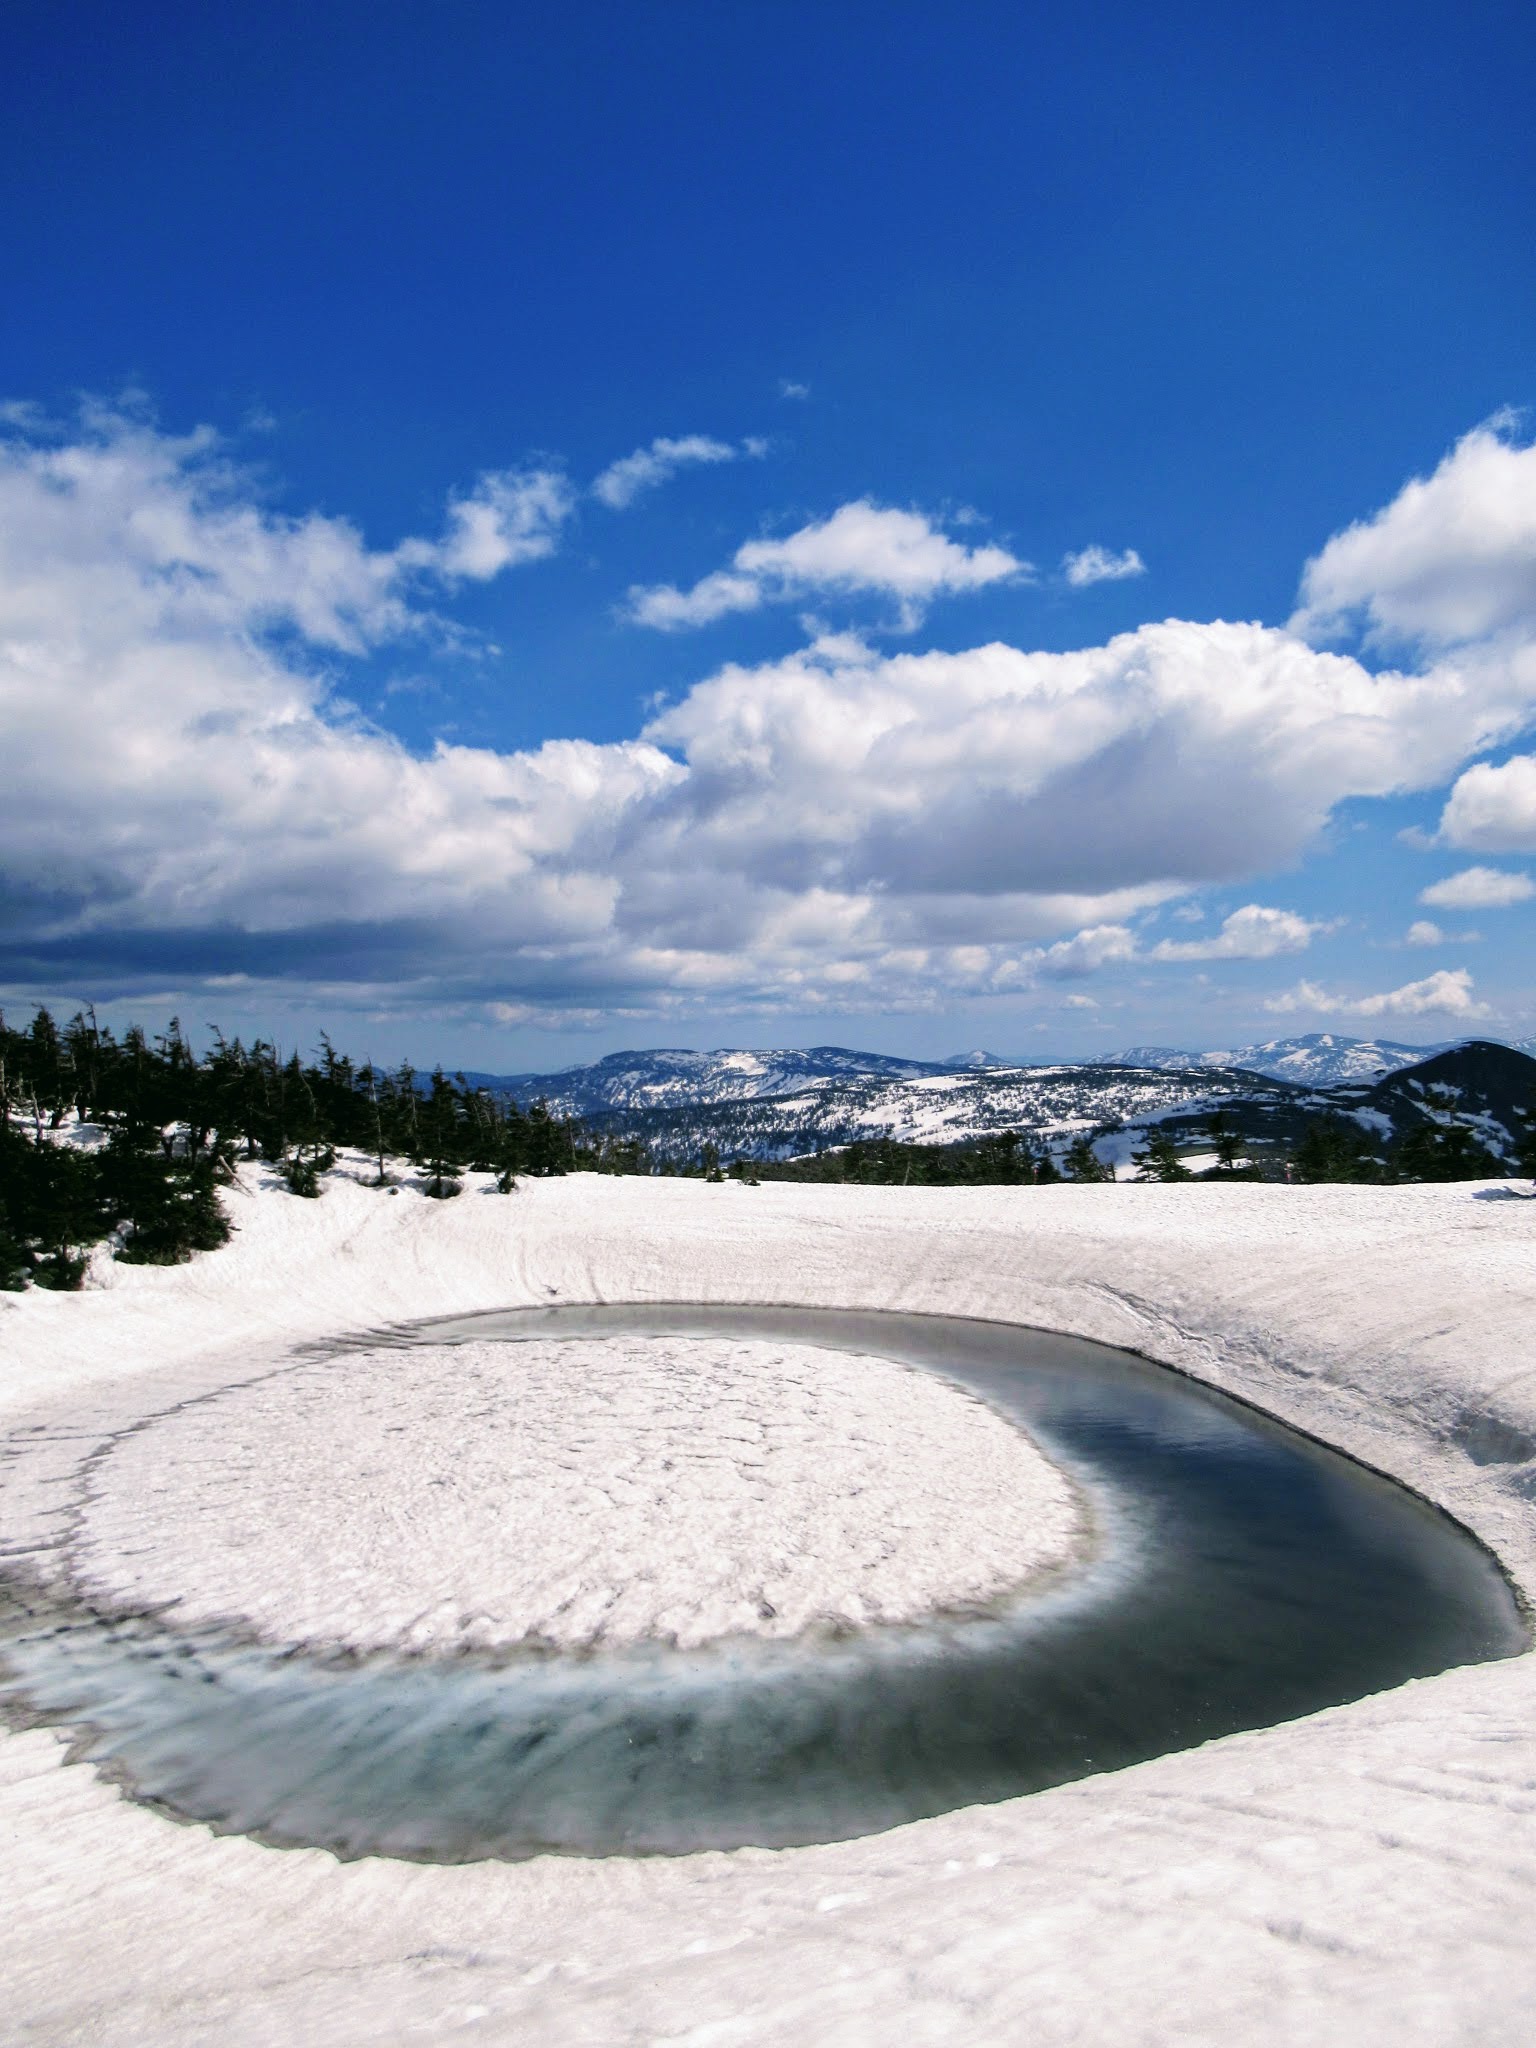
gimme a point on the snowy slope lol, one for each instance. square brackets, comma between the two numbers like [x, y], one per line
[1490, 1087]
[1363, 1875]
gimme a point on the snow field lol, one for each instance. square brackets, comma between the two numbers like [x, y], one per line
[1363, 1875]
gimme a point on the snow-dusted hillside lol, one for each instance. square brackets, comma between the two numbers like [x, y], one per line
[1489, 1088]
[940, 1108]
[656, 1079]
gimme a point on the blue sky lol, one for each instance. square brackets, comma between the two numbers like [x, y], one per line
[348, 684]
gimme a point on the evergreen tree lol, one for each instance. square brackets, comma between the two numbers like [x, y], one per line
[1083, 1163]
[511, 1146]
[50, 1211]
[440, 1139]
[1525, 1143]
[550, 1145]
[1004, 1161]
[1226, 1141]
[86, 1058]
[305, 1152]
[368, 1085]
[1442, 1151]
[169, 1208]
[47, 1070]
[1159, 1160]
[1332, 1149]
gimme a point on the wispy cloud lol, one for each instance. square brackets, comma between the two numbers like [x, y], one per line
[186, 527]
[1098, 565]
[863, 548]
[625, 480]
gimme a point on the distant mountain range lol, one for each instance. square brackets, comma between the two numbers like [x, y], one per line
[654, 1080]
[932, 1108]
[784, 1103]
[1321, 1058]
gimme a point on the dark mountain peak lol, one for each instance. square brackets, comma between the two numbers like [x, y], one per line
[1489, 1086]
[1477, 1060]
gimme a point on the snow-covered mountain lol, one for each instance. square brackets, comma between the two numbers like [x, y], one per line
[934, 1107]
[1169, 1059]
[1488, 1087]
[1324, 1059]
[1320, 1059]
[675, 1075]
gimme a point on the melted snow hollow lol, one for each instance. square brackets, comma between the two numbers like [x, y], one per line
[446, 1498]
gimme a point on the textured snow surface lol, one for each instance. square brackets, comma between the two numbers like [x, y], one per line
[1367, 1875]
[576, 1493]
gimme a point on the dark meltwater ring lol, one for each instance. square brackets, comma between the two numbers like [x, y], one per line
[1244, 1576]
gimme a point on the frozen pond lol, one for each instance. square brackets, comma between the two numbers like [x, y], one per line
[1242, 1576]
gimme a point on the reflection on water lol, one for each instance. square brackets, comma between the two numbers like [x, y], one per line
[1246, 1576]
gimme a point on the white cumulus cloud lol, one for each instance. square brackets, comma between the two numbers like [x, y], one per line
[1253, 933]
[1423, 932]
[863, 548]
[1493, 809]
[1452, 559]
[1171, 756]
[1098, 565]
[1479, 889]
[187, 799]
[1102, 945]
[1447, 993]
[510, 516]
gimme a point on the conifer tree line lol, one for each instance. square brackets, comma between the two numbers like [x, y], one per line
[1001, 1159]
[171, 1126]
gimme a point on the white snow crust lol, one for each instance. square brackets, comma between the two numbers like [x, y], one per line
[1365, 1875]
[572, 1494]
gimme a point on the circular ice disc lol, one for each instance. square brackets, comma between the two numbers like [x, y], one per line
[574, 1493]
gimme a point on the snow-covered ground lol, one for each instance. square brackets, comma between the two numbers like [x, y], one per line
[1366, 1875]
